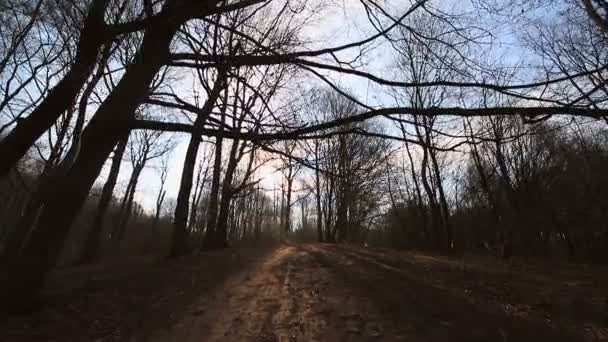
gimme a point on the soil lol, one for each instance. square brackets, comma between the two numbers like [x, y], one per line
[321, 292]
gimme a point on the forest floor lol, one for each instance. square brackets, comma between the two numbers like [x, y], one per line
[319, 292]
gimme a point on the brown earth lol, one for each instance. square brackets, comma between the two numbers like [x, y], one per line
[319, 292]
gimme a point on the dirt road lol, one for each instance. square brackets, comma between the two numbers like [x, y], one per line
[329, 293]
[320, 292]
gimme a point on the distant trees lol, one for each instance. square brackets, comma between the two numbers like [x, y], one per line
[503, 194]
[347, 173]
[534, 199]
[143, 147]
[290, 169]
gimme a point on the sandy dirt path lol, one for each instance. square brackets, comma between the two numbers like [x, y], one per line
[328, 293]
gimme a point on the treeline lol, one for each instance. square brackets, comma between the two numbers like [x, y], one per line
[527, 190]
[122, 227]
[144, 234]
[512, 188]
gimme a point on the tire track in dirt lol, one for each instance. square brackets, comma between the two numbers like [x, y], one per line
[421, 311]
[522, 294]
[271, 302]
[242, 309]
[310, 293]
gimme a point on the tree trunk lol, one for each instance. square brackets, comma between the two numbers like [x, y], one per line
[92, 245]
[62, 96]
[506, 189]
[318, 195]
[34, 202]
[419, 201]
[196, 198]
[180, 234]
[287, 209]
[330, 237]
[159, 205]
[209, 239]
[112, 121]
[444, 213]
[221, 240]
[485, 184]
[126, 211]
[445, 210]
[434, 217]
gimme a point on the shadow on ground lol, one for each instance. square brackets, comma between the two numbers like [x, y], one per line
[316, 292]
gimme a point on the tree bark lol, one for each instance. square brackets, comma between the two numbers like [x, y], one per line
[199, 187]
[318, 195]
[221, 237]
[443, 204]
[180, 234]
[127, 209]
[434, 217]
[445, 210]
[92, 245]
[421, 209]
[287, 209]
[209, 239]
[505, 189]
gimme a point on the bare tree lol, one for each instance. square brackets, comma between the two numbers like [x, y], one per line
[144, 147]
[90, 251]
[161, 192]
[178, 246]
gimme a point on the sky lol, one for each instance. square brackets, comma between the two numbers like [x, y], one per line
[343, 21]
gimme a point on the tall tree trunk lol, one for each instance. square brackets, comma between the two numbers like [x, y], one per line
[485, 184]
[341, 205]
[209, 238]
[127, 210]
[506, 189]
[62, 96]
[287, 209]
[318, 195]
[125, 199]
[180, 234]
[92, 245]
[34, 202]
[113, 119]
[221, 240]
[159, 205]
[443, 204]
[445, 210]
[221, 233]
[435, 215]
[196, 198]
[420, 202]
[282, 212]
[329, 231]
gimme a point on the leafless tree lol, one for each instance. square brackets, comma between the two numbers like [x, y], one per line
[144, 146]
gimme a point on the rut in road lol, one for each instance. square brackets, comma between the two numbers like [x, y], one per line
[275, 301]
[325, 293]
